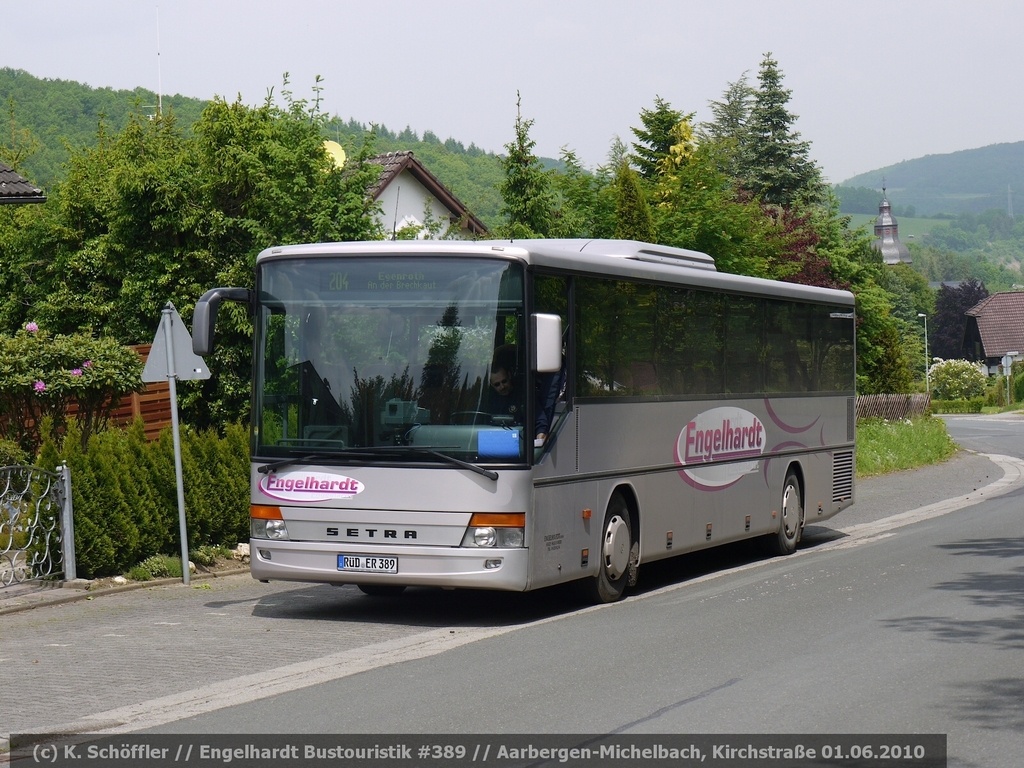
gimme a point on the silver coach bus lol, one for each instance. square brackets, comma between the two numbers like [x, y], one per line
[511, 415]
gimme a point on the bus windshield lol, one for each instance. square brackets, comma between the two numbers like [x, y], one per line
[389, 359]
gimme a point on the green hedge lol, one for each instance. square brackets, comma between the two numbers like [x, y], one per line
[974, 405]
[125, 494]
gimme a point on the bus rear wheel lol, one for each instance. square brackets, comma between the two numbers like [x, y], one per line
[619, 552]
[792, 513]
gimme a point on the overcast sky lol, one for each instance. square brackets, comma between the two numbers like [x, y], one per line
[873, 82]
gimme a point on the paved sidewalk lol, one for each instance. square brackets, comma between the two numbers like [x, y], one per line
[21, 597]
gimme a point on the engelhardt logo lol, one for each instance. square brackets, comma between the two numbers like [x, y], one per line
[308, 486]
[714, 448]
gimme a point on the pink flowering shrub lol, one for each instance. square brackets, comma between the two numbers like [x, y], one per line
[42, 374]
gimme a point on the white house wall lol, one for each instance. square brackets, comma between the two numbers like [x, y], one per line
[404, 202]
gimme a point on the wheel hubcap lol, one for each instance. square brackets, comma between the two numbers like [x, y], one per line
[791, 510]
[616, 547]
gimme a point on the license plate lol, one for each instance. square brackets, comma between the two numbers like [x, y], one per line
[368, 563]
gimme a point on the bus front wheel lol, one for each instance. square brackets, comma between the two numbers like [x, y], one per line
[792, 513]
[619, 551]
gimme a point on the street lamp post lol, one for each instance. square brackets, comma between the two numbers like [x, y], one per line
[927, 384]
[1008, 359]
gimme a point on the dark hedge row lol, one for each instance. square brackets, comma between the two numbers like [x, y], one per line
[125, 494]
[974, 405]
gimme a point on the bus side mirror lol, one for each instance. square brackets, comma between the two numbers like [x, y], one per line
[204, 318]
[547, 343]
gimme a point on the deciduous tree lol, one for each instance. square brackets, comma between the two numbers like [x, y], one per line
[950, 321]
[697, 207]
[152, 215]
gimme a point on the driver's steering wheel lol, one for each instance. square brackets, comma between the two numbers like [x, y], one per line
[470, 417]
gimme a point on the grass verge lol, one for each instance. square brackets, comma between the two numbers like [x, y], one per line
[890, 446]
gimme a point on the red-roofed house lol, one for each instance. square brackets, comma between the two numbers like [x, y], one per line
[995, 328]
[407, 192]
[15, 189]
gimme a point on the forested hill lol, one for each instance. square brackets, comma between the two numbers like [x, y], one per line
[48, 116]
[969, 181]
[43, 118]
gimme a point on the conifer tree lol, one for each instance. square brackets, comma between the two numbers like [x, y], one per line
[526, 189]
[731, 124]
[633, 218]
[657, 137]
[732, 113]
[778, 166]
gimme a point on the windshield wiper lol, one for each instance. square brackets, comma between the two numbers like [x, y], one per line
[490, 474]
[377, 450]
[273, 466]
[400, 449]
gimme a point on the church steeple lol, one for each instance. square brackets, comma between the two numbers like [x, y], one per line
[887, 238]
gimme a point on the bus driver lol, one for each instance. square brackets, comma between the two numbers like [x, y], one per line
[506, 402]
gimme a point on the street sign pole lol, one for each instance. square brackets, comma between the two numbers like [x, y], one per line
[172, 338]
[172, 378]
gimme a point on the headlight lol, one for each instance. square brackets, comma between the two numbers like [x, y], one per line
[487, 536]
[495, 529]
[268, 529]
[484, 537]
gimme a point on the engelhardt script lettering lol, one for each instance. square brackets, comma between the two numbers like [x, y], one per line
[727, 440]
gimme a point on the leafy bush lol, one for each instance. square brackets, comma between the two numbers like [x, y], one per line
[208, 554]
[957, 380]
[156, 567]
[11, 454]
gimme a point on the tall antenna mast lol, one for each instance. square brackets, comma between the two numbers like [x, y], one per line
[394, 226]
[159, 76]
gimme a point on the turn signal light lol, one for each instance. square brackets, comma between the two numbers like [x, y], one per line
[263, 512]
[498, 520]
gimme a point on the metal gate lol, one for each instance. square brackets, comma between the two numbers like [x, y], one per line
[37, 539]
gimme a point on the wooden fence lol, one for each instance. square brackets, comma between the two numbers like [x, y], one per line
[152, 405]
[892, 407]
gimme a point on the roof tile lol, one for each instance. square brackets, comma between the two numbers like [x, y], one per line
[1000, 322]
[16, 189]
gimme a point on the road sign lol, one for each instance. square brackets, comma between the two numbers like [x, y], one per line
[172, 353]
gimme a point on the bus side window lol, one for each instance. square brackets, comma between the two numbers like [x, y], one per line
[552, 297]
